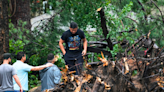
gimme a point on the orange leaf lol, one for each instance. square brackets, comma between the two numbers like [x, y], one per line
[136, 29]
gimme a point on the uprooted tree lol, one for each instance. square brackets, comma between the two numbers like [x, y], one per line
[134, 70]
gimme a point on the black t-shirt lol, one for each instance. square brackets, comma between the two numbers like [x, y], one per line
[73, 42]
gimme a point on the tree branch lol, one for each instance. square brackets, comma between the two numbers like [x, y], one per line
[104, 27]
[158, 9]
[132, 19]
[32, 42]
[142, 8]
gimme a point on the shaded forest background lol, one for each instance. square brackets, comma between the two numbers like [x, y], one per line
[125, 19]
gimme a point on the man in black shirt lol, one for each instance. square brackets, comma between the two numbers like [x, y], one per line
[73, 54]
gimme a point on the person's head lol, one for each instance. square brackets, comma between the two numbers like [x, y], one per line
[73, 27]
[51, 58]
[7, 56]
[21, 56]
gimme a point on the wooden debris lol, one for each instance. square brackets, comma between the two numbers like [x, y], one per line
[160, 81]
[103, 59]
[126, 65]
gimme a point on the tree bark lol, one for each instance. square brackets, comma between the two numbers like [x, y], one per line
[104, 27]
[4, 29]
[22, 12]
[95, 86]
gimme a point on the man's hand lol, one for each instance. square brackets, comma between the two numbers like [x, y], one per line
[84, 52]
[85, 47]
[21, 89]
[64, 52]
[18, 82]
[49, 64]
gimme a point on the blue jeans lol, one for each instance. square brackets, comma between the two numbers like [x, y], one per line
[18, 91]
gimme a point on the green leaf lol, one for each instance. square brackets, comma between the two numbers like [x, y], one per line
[27, 31]
[15, 30]
[134, 72]
[108, 35]
[24, 23]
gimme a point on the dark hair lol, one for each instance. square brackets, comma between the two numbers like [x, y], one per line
[73, 25]
[6, 55]
[50, 56]
[20, 55]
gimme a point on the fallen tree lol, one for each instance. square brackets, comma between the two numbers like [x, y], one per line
[115, 76]
[135, 70]
[138, 71]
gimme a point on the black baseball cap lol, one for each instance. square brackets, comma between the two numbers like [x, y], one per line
[7, 55]
[73, 25]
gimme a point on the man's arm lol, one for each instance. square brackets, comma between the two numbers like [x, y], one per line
[38, 68]
[85, 46]
[18, 82]
[61, 46]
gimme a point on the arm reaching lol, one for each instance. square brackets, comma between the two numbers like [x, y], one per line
[38, 68]
[18, 82]
[61, 46]
[85, 46]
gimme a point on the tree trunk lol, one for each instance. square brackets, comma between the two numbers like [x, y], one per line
[21, 11]
[4, 30]
[104, 28]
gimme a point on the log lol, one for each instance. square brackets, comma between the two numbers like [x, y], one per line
[98, 50]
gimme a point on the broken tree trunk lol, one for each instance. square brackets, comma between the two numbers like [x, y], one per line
[104, 27]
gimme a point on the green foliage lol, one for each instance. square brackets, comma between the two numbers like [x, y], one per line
[144, 25]
[84, 13]
[36, 45]
[16, 46]
[116, 24]
[134, 72]
[33, 80]
[44, 39]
